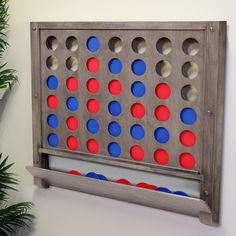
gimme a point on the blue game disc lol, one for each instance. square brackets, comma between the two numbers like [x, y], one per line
[181, 193]
[114, 129]
[93, 44]
[52, 82]
[93, 126]
[137, 132]
[138, 67]
[102, 177]
[162, 135]
[163, 189]
[114, 149]
[138, 89]
[52, 121]
[188, 116]
[72, 104]
[53, 140]
[115, 66]
[92, 175]
[114, 108]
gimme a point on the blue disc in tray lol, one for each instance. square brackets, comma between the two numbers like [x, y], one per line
[114, 108]
[114, 129]
[181, 193]
[137, 132]
[115, 66]
[102, 177]
[162, 135]
[138, 89]
[114, 149]
[92, 175]
[163, 189]
[93, 44]
[52, 82]
[72, 104]
[93, 126]
[138, 67]
[188, 116]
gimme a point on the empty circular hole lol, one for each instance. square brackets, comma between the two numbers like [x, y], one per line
[72, 43]
[163, 68]
[115, 44]
[52, 43]
[190, 69]
[139, 45]
[52, 63]
[72, 64]
[189, 93]
[164, 46]
[191, 46]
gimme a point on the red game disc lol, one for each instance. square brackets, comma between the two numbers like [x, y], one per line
[162, 113]
[187, 138]
[142, 185]
[72, 84]
[161, 157]
[74, 172]
[72, 123]
[93, 146]
[93, 106]
[138, 110]
[93, 65]
[163, 91]
[187, 160]
[115, 87]
[72, 143]
[123, 181]
[52, 102]
[93, 85]
[151, 187]
[137, 153]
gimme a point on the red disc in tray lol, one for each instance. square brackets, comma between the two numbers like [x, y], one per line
[138, 110]
[115, 87]
[93, 146]
[93, 106]
[187, 161]
[52, 102]
[187, 138]
[74, 172]
[161, 156]
[72, 84]
[93, 85]
[93, 65]
[123, 181]
[72, 143]
[72, 123]
[137, 153]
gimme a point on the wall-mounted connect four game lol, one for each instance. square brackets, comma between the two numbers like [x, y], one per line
[145, 96]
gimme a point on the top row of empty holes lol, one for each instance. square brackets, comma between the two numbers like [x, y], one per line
[164, 46]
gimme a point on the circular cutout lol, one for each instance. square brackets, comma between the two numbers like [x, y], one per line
[187, 161]
[164, 46]
[52, 43]
[138, 67]
[115, 66]
[114, 129]
[72, 64]
[123, 181]
[72, 84]
[93, 85]
[162, 113]
[137, 132]
[187, 138]
[52, 82]
[72, 143]
[115, 87]
[93, 44]
[53, 140]
[162, 135]
[114, 108]
[190, 69]
[93, 146]
[115, 44]
[161, 157]
[189, 93]
[72, 123]
[93, 126]
[93, 65]
[53, 121]
[188, 116]
[72, 43]
[138, 89]
[163, 68]
[52, 63]
[137, 110]
[139, 45]
[163, 91]
[93, 106]
[191, 46]
[137, 153]
[114, 149]
[72, 104]
[52, 102]
[163, 189]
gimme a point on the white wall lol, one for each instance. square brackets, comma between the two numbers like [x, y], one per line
[61, 212]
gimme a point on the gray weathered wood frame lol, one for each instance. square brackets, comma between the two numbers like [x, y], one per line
[207, 208]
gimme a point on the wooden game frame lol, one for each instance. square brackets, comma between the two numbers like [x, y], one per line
[208, 206]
